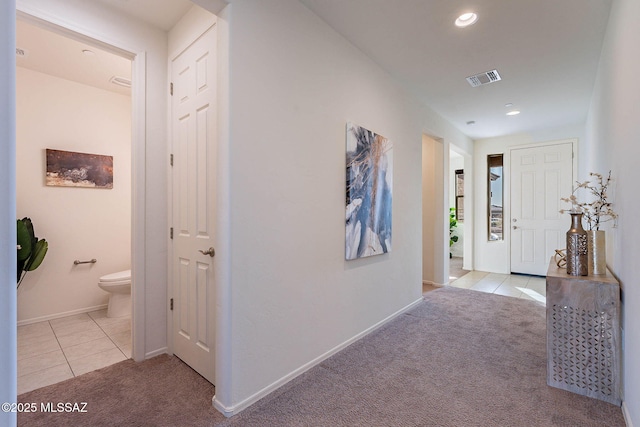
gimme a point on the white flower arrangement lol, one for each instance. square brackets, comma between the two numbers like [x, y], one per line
[597, 211]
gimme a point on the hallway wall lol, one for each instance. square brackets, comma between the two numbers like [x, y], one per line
[613, 132]
[294, 84]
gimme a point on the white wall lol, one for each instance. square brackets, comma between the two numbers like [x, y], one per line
[613, 131]
[150, 155]
[78, 223]
[8, 370]
[294, 85]
[494, 256]
[191, 26]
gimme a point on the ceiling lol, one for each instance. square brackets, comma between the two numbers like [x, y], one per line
[546, 52]
[57, 55]
[162, 14]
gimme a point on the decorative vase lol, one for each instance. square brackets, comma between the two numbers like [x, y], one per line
[577, 244]
[597, 263]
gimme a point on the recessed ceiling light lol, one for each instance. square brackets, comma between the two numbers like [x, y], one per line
[471, 122]
[508, 104]
[466, 19]
[88, 52]
[513, 113]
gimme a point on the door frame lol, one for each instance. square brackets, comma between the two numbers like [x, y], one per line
[469, 236]
[138, 160]
[507, 183]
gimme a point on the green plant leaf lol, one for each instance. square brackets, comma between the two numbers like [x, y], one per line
[38, 255]
[24, 240]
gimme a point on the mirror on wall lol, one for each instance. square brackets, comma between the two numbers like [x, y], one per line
[495, 185]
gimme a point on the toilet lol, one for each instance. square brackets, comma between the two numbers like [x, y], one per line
[118, 285]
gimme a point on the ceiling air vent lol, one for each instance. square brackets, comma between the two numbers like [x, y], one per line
[484, 78]
[21, 53]
[120, 81]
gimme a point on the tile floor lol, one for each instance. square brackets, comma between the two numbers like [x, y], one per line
[512, 285]
[56, 350]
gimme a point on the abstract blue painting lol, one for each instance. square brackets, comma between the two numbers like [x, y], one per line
[369, 193]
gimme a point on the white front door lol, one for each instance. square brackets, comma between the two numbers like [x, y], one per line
[194, 129]
[540, 176]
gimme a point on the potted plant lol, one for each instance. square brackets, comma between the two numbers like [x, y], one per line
[31, 250]
[453, 223]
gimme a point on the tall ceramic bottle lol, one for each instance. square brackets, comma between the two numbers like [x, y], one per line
[577, 244]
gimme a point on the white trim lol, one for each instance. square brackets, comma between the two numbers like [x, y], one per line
[64, 314]
[437, 285]
[626, 414]
[224, 300]
[39, 17]
[154, 353]
[233, 410]
[138, 204]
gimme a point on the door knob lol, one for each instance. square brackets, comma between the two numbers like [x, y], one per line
[514, 220]
[515, 227]
[211, 252]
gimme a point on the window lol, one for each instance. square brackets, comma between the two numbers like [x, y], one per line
[459, 194]
[495, 200]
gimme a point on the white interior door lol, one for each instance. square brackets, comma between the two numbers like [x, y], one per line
[194, 129]
[539, 177]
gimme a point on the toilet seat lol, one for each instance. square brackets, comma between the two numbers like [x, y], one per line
[120, 277]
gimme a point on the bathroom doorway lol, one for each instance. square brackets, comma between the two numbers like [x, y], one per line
[457, 219]
[63, 329]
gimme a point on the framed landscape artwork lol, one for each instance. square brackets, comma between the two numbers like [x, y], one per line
[369, 193]
[71, 169]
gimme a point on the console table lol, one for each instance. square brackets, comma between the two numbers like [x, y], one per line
[583, 334]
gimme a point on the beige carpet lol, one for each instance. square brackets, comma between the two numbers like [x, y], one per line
[460, 358]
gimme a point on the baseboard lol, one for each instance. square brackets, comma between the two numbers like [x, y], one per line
[626, 414]
[233, 410]
[155, 353]
[227, 412]
[59, 315]
[430, 283]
